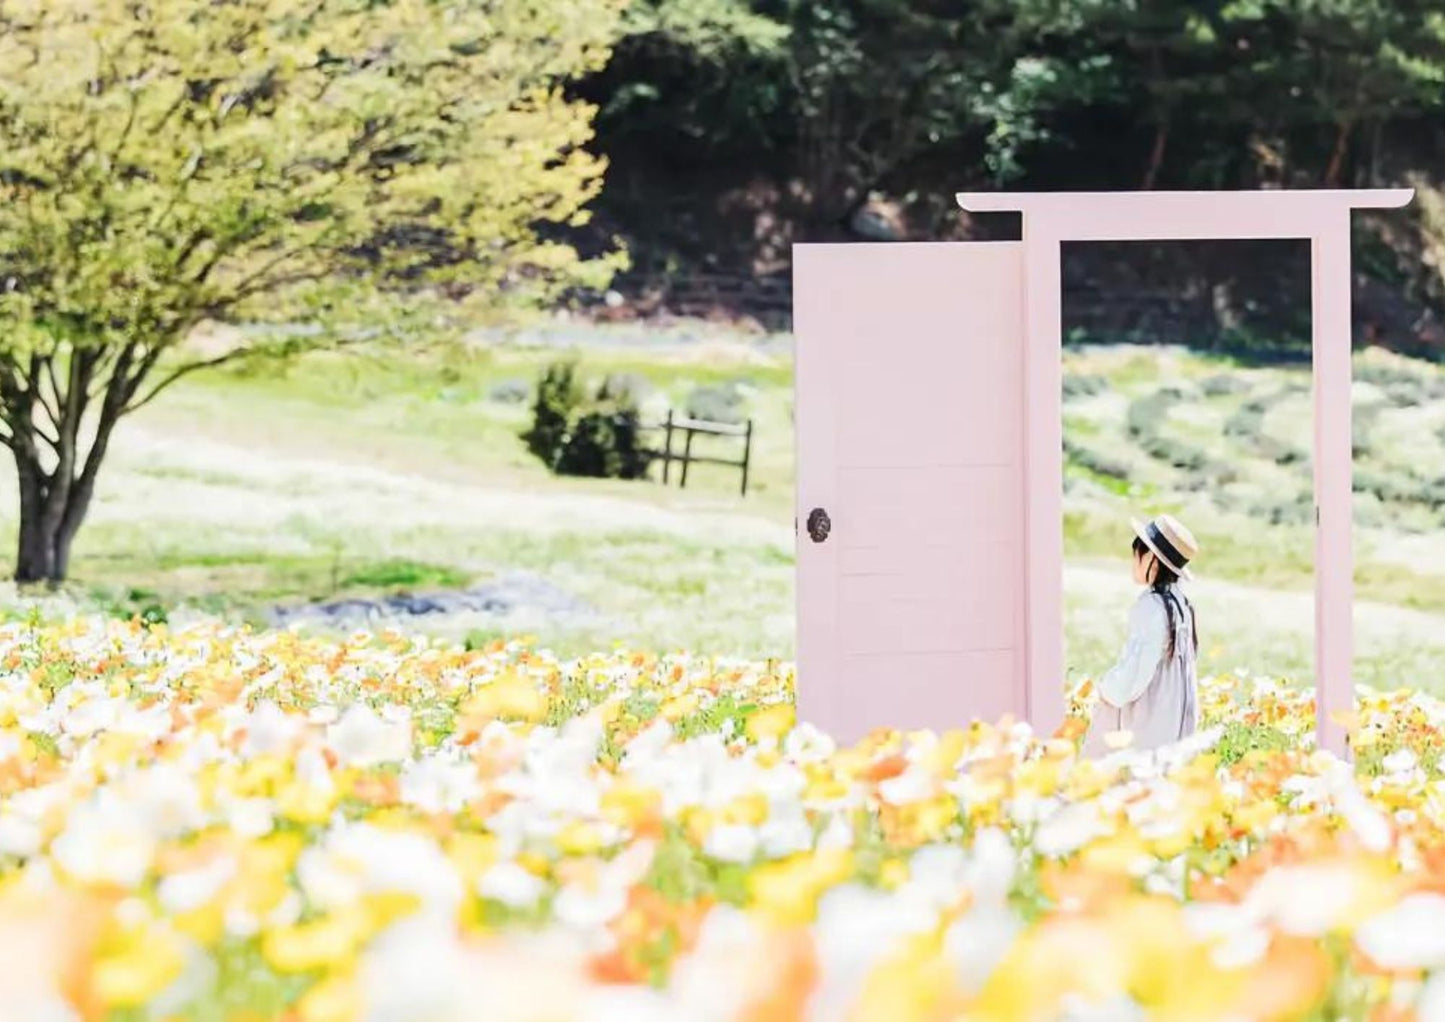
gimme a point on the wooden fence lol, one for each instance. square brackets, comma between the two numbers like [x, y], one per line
[689, 427]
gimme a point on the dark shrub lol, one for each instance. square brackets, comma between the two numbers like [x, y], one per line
[558, 398]
[1223, 384]
[1084, 385]
[600, 437]
[606, 440]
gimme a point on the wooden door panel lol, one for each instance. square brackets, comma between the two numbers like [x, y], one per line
[910, 435]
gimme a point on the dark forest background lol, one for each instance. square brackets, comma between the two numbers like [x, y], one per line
[735, 128]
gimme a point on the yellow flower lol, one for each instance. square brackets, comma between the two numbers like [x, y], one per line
[1256, 816]
[205, 925]
[1169, 845]
[893, 874]
[950, 747]
[305, 947]
[135, 964]
[334, 999]
[579, 838]
[914, 984]
[928, 821]
[678, 707]
[627, 804]
[306, 803]
[471, 853]
[787, 891]
[773, 722]
[509, 697]
[1123, 852]
[1037, 777]
[750, 809]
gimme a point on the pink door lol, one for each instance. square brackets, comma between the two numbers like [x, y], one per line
[910, 412]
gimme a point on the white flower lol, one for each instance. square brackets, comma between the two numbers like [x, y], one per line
[1303, 901]
[510, 884]
[913, 785]
[806, 744]
[406, 862]
[785, 832]
[1364, 818]
[713, 982]
[167, 800]
[251, 817]
[978, 941]
[269, 730]
[361, 738]
[991, 869]
[1398, 762]
[194, 888]
[413, 972]
[1069, 829]
[19, 834]
[1410, 935]
[590, 906]
[435, 785]
[92, 716]
[732, 842]
[647, 744]
[838, 834]
[327, 880]
[105, 841]
[584, 909]
[1235, 933]
[1431, 1006]
[856, 927]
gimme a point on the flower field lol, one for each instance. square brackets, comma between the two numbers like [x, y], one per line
[219, 825]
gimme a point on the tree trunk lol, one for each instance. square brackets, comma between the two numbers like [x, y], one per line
[43, 551]
[1337, 157]
[47, 527]
[1156, 156]
[54, 501]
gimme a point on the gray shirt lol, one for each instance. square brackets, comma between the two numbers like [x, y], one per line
[1151, 692]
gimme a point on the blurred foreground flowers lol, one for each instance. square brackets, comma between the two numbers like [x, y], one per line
[217, 825]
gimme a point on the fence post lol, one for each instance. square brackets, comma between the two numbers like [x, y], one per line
[686, 456]
[747, 454]
[667, 450]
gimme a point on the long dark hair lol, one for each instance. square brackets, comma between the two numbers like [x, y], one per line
[1165, 579]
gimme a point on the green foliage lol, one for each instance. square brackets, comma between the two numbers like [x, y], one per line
[1084, 385]
[721, 402]
[181, 162]
[606, 442]
[558, 397]
[1104, 467]
[1239, 740]
[599, 438]
[834, 101]
[399, 574]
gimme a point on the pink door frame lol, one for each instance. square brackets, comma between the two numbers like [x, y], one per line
[1323, 217]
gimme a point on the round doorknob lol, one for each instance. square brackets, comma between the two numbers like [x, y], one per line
[819, 525]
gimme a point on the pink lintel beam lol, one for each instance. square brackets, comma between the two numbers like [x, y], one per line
[1322, 217]
[1197, 216]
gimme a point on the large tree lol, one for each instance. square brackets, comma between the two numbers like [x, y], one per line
[166, 163]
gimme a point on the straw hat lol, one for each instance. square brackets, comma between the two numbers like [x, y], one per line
[1168, 539]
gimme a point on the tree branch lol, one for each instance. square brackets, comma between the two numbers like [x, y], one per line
[180, 373]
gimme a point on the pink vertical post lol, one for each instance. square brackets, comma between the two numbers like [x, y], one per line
[1334, 553]
[1043, 474]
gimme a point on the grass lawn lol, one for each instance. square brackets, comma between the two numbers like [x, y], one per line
[370, 473]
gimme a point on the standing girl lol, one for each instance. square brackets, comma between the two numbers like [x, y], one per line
[1152, 691]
